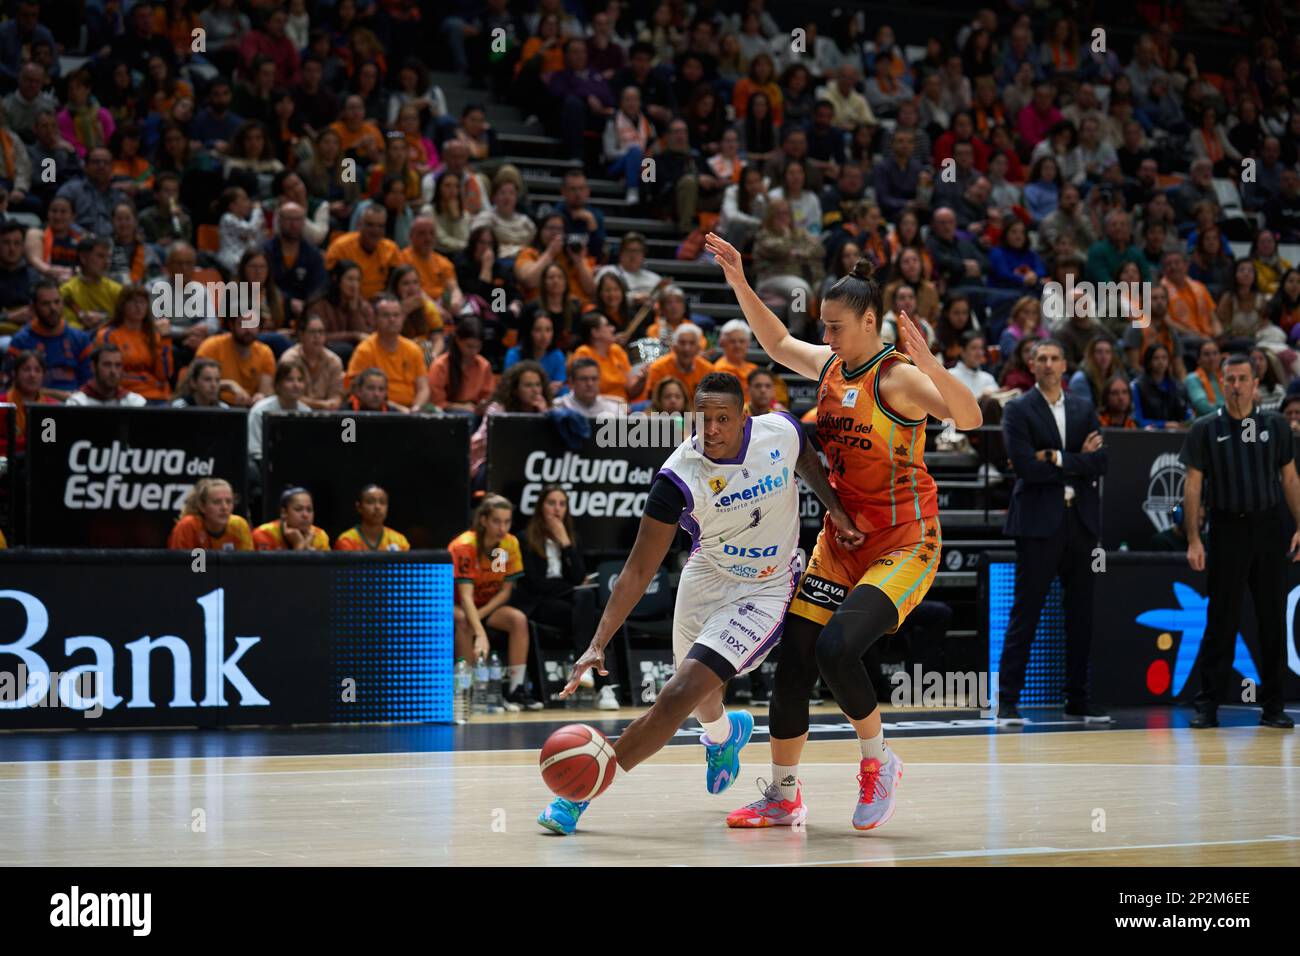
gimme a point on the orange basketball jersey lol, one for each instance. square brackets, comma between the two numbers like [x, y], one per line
[876, 456]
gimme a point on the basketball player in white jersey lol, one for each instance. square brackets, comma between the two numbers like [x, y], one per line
[732, 486]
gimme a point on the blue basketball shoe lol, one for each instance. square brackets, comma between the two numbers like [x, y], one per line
[723, 760]
[562, 815]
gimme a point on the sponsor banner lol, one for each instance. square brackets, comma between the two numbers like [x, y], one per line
[1148, 623]
[116, 477]
[279, 638]
[422, 461]
[607, 486]
[1143, 482]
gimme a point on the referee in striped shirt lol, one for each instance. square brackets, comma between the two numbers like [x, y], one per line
[1239, 461]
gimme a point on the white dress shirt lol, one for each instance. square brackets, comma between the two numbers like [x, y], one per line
[1058, 412]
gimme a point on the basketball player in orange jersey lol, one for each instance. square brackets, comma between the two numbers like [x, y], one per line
[872, 404]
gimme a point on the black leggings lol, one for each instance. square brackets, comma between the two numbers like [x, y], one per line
[836, 651]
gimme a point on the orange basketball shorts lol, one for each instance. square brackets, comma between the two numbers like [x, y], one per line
[901, 561]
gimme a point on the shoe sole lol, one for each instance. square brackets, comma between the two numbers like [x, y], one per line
[553, 826]
[798, 818]
[511, 708]
[892, 806]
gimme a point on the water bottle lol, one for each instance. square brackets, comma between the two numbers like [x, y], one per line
[570, 702]
[480, 699]
[496, 704]
[464, 679]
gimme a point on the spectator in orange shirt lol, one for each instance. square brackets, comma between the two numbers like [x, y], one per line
[247, 365]
[618, 378]
[398, 358]
[207, 520]
[761, 79]
[437, 272]
[487, 562]
[395, 164]
[1191, 307]
[146, 347]
[460, 379]
[734, 340]
[28, 370]
[668, 398]
[683, 362]
[674, 310]
[293, 530]
[358, 135]
[551, 245]
[762, 393]
[369, 249]
[369, 392]
[371, 533]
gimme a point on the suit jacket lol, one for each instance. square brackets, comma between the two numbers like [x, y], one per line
[1037, 507]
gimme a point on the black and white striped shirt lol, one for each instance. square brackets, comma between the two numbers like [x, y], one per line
[1240, 458]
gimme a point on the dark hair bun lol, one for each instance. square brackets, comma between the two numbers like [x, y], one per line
[864, 269]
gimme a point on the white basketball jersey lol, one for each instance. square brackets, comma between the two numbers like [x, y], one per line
[743, 512]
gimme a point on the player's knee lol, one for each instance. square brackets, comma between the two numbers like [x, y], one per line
[833, 650]
[787, 717]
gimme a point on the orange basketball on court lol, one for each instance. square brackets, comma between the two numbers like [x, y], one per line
[578, 762]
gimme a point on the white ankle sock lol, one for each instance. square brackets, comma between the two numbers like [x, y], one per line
[517, 672]
[718, 730]
[787, 779]
[874, 748]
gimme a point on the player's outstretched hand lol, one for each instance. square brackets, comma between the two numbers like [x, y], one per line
[593, 657]
[912, 341]
[847, 535]
[727, 257]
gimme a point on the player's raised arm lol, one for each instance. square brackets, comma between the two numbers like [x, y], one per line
[927, 388]
[653, 538]
[802, 357]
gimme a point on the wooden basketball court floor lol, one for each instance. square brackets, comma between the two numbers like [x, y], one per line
[1156, 793]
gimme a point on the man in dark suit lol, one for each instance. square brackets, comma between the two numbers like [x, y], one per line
[1054, 442]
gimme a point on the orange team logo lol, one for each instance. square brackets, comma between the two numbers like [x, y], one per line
[717, 483]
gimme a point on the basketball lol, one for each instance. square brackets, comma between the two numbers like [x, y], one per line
[578, 762]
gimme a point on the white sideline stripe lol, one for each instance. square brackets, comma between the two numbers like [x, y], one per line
[469, 768]
[532, 750]
[1033, 851]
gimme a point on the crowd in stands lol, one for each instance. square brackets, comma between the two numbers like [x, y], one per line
[384, 257]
